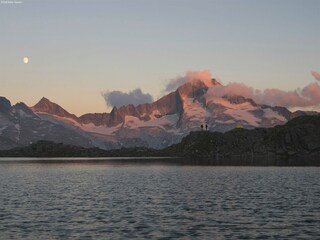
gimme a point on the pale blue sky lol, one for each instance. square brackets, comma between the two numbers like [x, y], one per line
[79, 48]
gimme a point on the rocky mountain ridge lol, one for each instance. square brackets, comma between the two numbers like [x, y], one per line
[20, 126]
[156, 125]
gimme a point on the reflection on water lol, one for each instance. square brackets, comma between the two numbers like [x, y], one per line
[92, 201]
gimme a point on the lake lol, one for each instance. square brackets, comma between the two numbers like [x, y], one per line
[103, 200]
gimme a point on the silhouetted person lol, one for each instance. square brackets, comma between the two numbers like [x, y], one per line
[206, 127]
[201, 127]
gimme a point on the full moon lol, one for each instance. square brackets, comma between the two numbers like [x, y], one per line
[25, 60]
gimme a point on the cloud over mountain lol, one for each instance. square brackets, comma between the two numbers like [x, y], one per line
[305, 97]
[316, 75]
[308, 96]
[174, 83]
[118, 98]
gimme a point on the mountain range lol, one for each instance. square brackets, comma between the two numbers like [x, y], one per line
[296, 143]
[155, 125]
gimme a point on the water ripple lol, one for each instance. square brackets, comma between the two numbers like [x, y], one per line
[83, 201]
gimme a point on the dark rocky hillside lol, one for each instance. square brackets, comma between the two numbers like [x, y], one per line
[298, 141]
[295, 143]
[51, 149]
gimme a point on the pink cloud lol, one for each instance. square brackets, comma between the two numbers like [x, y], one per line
[312, 92]
[316, 75]
[308, 96]
[277, 97]
[174, 83]
[232, 89]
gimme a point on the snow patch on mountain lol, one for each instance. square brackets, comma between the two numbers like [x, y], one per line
[165, 122]
[195, 110]
[57, 119]
[269, 113]
[243, 115]
[240, 112]
[2, 128]
[102, 129]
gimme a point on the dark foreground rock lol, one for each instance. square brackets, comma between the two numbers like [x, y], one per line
[51, 149]
[296, 143]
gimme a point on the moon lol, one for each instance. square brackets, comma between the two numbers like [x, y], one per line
[25, 60]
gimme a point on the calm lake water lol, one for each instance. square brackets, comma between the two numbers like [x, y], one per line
[107, 201]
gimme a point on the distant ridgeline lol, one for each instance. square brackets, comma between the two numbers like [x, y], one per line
[157, 125]
[293, 144]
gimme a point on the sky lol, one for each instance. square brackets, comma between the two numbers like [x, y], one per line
[79, 51]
